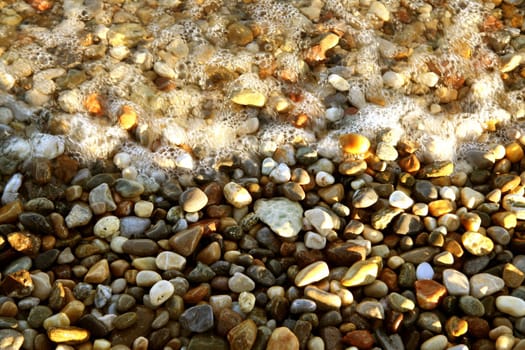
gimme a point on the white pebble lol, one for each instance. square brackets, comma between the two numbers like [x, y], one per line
[162, 69]
[160, 292]
[268, 164]
[237, 195]
[511, 305]
[429, 79]
[70, 101]
[107, 227]
[117, 243]
[338, 82]
[47, 146]
[314, 240]
[185, 161]
[122, 160]
[380, 11]
[400, 199]
[393, 79]
[281, 174]
[323, 179]
[246, 302]
[167, 260]
[334, 114]
[147, 278]
[424, 271]
[11, 188]
[319, 219]
[448, 192]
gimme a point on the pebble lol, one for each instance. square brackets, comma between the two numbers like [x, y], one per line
[338, 82]
[193, 199]
[197, 318]
[284, 217]
[429, 293]
[237, 195]
[364, 198]
[239, 283]
[437, 342]
[140, 247]
[511, 305]
[282, 338]
[312, 273]
[314, 240]
[471, 306]
[354, 143]
[476, 243]
[167, 260]
[485, 284]
[371, 309]
[424, 271]
[320, 219]
[160, 292]
[456, 282]
[128, 188]
[362, 272]
[399, 199]
[98, 273]
[11, 339]
[101, 200]
[107, 227]
[133, 227]
[79, 215]
[280, 174]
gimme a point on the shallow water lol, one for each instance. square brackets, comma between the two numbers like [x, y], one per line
[446, 75]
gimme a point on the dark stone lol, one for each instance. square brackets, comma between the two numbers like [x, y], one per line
[36, 223]
[45, 260]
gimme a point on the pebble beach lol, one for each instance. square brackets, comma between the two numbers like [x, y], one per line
[262, 174]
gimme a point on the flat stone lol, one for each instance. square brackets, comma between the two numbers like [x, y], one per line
[125, 320]
[261, 275]
[511, 305]
[38, 314]
[283, 338]
[456, 282]
[476, 243]
[302, 305]
[383, 217]
[198, 318]
[284, 217]
[400, 303]
[323, 299]
[485, 284]
[362, 273]
[249, 97]
[437, 169]
[35, 222]
[312, 273]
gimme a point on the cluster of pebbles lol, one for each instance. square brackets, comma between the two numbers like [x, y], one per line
[296, 251]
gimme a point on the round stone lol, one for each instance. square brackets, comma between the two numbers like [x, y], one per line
[167, 260]
[354, 143]
[237, 195]
[484, 284]
[107, 227]
[456, 282]
[193, 199]
[424, 271]
[143, 209]
[147, 278]
[400, 199]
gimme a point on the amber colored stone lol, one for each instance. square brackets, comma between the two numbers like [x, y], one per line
[128, 118]
[410, 163]
[389, 276]
[124, 208]
[8, 309]
[362, 339]
[48, 242]
[454, 247]
[514, 152]
[354, 143]
[440, 207]
[456, 326]
[9, 212]
[505, 219]
[118, 267]
[197, 294]
[429, 293]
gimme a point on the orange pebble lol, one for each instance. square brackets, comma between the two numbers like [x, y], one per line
[514, 152]
[354, 143]
[93, 104]
[128, 118]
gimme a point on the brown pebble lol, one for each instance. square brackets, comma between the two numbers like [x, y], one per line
[185, 242]
[456, 326]
[9, 212]
[227, 320]
[429, 293]
[118, 267]
[477, 327]
[282, 338]
[210, 254]
[98, 273]
[197, 294]
[8, 309]
[359, 338]
[410, 163]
